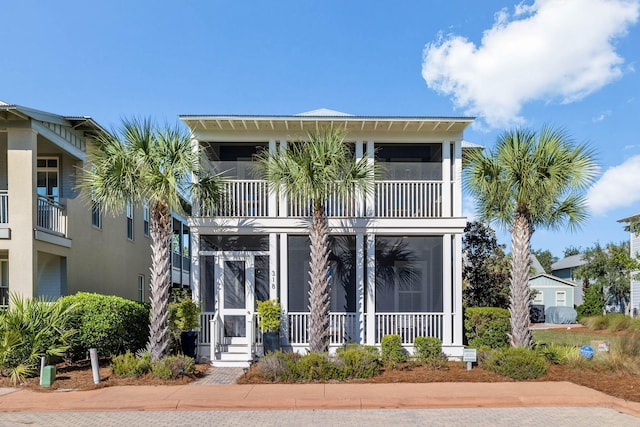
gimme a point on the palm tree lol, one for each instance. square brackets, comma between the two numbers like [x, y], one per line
[315, 170]
[143, 162]
[530, 180]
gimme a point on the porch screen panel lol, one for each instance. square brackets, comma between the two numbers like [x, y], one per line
[409, 274]
[207, 283]
[342, 273]
[234, 284]
[261, 272]
[236, 242]
[410, 161]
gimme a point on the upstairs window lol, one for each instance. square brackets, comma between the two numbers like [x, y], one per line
[48, 177]
[129, 211]
[407, 162]
[145, 215]
[96, 218]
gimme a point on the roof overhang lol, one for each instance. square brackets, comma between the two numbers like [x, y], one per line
[302, 124]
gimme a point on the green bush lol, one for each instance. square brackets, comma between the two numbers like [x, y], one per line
[487, 326]
[130, 365]
[173, 367]
[392, 351]
[110, 324]
[427, 349]
[358, 361]
[593, 302]
[316, 366]
[279, 366]
[516, 363]
[29, 330]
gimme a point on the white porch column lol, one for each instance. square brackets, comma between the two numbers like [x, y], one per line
[283, 208]
[359, 196]
[457, 290]
[457, 179]
[195, 264]
[273, 265]
[446, 179]
[273, 197]
[447, 290]
[371, 289]
[370, 201]
[360, 286]
[284, 288]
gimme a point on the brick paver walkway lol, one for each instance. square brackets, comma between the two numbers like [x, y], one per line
[221, 376]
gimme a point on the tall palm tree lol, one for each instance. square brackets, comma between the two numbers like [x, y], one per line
[530, 180]
[143, 162]
[315, 170]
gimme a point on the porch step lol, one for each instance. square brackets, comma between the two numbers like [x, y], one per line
[232, 356]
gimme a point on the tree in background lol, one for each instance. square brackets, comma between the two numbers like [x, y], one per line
[571, 250]
[531, 179]
[608, 271]
[545, 258]
[486, 268]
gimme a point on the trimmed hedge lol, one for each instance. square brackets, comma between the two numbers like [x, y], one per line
[392, 351]
[110, 324]
[427, 349]
[487, 327]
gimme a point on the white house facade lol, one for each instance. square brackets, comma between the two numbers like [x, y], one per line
[634, 249]
[396, 254]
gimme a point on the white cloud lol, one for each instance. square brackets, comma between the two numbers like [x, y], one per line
[618, 187]
[600, 117]
[550, 50]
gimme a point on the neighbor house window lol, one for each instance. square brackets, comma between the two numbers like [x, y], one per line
[145, 214]
[539, 298]
[4, 283]
[96, 219]
[561, 298]
[141, 287]
[129, 209]
[47, 177]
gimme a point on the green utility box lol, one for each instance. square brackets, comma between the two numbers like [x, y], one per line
[48, 376]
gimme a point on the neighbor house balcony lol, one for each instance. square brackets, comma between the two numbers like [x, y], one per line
[391, 199]
[4, 207]
[51, 216]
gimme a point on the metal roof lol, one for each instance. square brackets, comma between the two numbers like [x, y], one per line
[84, 123]
[568, 262]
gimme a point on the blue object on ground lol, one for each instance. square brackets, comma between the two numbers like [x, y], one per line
[586, 351]
[560, 315]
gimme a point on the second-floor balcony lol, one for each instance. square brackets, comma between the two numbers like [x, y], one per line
[390, 199]
[51, 216]
[4, 207]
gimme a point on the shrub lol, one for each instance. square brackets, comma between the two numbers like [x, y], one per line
[358, 361]
[516, 363]
[487, 326]
[111, 324]
[173, 367]
[427, 348]
[316, 366]
[29, 330]
[130, 365]
[279, 366]
[593, 302]
[558, 354]
[392, 351]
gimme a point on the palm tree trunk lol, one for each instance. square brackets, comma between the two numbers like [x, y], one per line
[519, 299]
[160, 230]
[319, 283]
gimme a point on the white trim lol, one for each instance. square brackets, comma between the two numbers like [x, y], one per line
[564, 302]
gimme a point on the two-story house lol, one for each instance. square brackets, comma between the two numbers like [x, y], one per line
[52, 241]
[396, 254]
[634, 249]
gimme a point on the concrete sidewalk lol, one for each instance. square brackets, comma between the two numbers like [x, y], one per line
[314, 396]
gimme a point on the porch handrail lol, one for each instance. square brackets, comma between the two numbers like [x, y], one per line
[409, 325]
[244, 197]
[217, 332]
[4, 207]
[408, 199]
[51, 215]
[343, 326]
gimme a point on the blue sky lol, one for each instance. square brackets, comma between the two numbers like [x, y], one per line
[568, 63]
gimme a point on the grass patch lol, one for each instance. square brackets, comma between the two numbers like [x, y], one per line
[563, 337]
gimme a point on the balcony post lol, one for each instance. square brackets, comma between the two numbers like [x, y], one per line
[360, 287]
[457, 179]
[273, 197]
[371, 289]
[446, 180]
[447, 290]
[457, 289]
[282, 198]
[370, 201]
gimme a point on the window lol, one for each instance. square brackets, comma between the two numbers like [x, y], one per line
[129, 209]
[96, 218]
[145, 215]
[47, 177]
[4, 283]
[561, 298]
[141, 287]
[539, 298]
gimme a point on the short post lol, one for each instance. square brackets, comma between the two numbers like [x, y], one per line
[41, 369]
[469, 355]
[95, 366]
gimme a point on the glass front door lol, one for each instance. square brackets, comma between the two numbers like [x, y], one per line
[235, 279]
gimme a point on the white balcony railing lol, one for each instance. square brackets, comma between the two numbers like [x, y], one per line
[409, 325]
[392, 199]
[244, 198]
[51, 216]
[343, 328]
[408, 199]
[4, 207]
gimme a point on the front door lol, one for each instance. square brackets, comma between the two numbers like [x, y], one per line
[235, 279]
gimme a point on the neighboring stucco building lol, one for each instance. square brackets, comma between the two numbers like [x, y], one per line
[53, 242]
[396, 264]
[634, 248]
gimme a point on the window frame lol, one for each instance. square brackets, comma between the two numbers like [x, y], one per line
[564, 301]
[130, 216]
